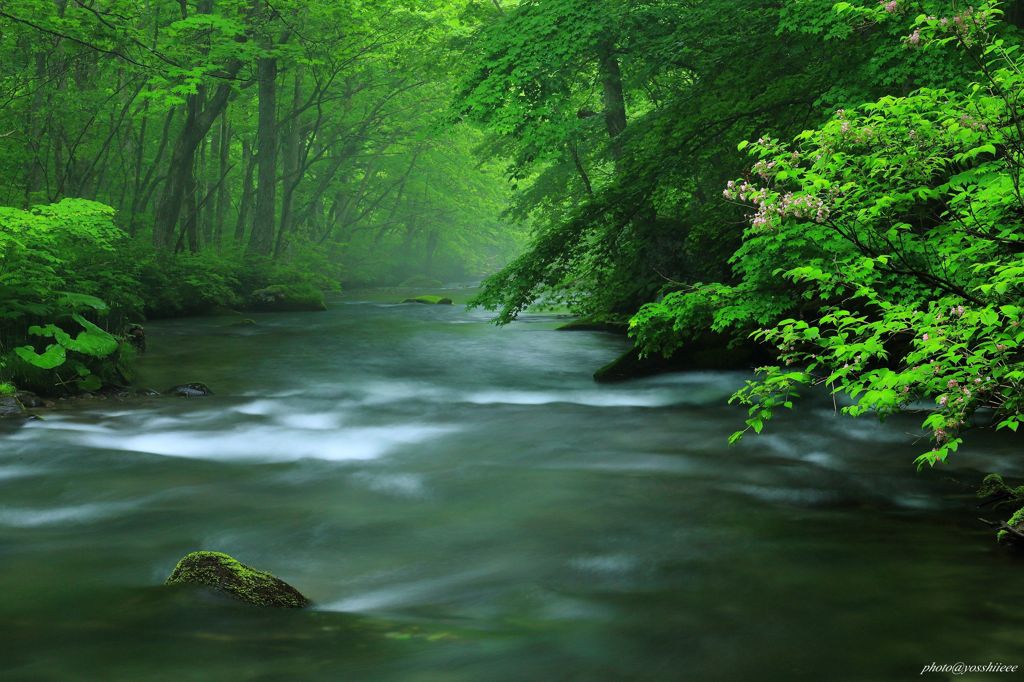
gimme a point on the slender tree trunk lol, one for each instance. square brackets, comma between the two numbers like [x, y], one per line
[262, 239]
[292, 172]
[614, 100]
[223, 167]
[245, 204]
[198, 121]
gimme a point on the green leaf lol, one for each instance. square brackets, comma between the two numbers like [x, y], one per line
[52, 358]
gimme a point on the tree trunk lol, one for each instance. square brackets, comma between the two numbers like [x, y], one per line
[245, 204]
[614, 100]
[262, 239]
[198, 121]
[292, 172]
[223, 196]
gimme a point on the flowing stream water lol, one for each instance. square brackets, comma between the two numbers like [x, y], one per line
[464, 503]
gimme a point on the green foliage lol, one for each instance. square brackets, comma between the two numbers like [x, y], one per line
[883, 258]
[623, 217]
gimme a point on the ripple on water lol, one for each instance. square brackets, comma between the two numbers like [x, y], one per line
[399, 485]
[271, 443]
[74, 514]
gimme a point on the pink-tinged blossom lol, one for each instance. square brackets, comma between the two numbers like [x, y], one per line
[925, 337]
[943, 400]
[914, 38]
[890, 6]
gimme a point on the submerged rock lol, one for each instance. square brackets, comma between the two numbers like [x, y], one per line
[226, 574]
[194, 390]
[287, 298]
[430, 300]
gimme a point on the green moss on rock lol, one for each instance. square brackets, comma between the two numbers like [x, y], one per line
[993, 486]
[284, 298]
[226, 574]
[429, 300]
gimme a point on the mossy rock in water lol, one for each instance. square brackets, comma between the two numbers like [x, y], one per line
[288, 298]
[226, 574]
[430, 300]
[1015, 534]
[193, 390]
[994, 490]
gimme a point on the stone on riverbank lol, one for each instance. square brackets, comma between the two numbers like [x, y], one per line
[288, 298]
[226, 574]
[194, 390]
[10, 406]
[30, 399]
[430, 300]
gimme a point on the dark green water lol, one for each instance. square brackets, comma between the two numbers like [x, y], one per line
[463, 503]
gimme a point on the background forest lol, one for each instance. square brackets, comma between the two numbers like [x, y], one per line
[170, 157]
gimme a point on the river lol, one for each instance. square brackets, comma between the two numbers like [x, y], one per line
[464, 503]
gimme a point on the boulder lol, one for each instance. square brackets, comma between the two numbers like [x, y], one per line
[10, 406]
[429, 300]
[288, 298]
[194, 390]
[30, 399]
[135, 334]
[226, 574]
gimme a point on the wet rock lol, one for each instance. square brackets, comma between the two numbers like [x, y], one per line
[30, 399]
[226, 574]
[129, 393]
[10, 406]
[430, 300]
[194, 390]
[135, 334]
[283, 298]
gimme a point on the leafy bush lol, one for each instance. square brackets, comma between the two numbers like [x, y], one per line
[883, 258]
[55, 261]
